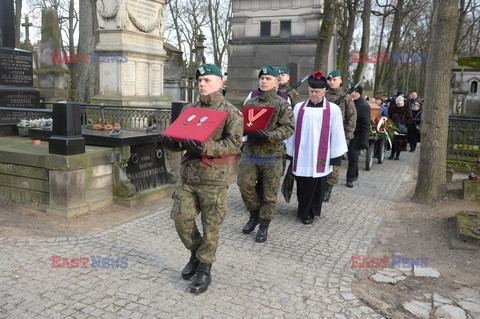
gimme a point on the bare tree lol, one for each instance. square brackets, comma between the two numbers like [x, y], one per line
[219, 13]
[325, 35]
[396, 31]
[87, 72]
[360, 71]
[346, 29]
[431, 182]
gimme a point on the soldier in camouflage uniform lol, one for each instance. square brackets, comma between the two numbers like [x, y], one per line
[268, 146]
[349, 114]
[284, 86]
[203, 184]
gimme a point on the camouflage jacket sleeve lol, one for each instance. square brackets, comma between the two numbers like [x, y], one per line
[231, 140]
[285, 124]
[350, 120]
[294, 97]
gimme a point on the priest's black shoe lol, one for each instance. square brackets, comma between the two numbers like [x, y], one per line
[328, 192]
[252, 222]
[349, 184]
[308, 220]
[262, 231]
[391, 157]
[191, 267]
[202, 280]
[397, 157]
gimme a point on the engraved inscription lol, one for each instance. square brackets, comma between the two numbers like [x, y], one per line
[16, 68]
[156, 85]
[128, 78]
[146, 15]
[142, 78]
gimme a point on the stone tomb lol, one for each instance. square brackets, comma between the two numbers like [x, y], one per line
[16, 79]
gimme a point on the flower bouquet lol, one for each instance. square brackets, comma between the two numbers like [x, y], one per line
[24, 125]
[103, 124]
[382, 126]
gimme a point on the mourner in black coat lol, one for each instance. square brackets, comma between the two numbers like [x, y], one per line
[401, 115]
[360, 135]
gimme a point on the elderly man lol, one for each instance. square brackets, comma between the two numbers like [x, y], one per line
[265, 143]
[349, 115]
[316, 147]
[203, 188]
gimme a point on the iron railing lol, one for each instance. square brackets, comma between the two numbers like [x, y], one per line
[463, 138]
[130, 117]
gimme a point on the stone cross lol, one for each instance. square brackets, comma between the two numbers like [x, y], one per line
[7, 24]
[27, 24]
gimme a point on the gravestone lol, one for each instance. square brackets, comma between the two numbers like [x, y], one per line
[53, 75]
[16, 73]
[146, 166]
[131, 50]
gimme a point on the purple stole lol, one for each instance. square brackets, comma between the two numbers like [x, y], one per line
[324, 137]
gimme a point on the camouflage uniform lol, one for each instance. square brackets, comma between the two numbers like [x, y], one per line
[349, 114]
[292, 94]
[203, 187]
[281, 127]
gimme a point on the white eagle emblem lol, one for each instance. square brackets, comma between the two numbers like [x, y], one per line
[201, 70]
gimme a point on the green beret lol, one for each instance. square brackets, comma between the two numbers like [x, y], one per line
[268, 70]
[206, 69]
[283, 70]
[333, 74]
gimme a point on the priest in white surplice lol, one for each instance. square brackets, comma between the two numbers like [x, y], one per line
[317, 145]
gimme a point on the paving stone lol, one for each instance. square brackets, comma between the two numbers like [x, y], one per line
[383, 279]
[300, 271]
[441, 299]
[473, 307]
[450, 312]
[426, 272]
[418, 308]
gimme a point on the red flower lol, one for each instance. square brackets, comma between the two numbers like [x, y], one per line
[317, 75]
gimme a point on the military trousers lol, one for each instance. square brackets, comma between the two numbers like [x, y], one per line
[211, 202]
[270, 175]
[332, 178]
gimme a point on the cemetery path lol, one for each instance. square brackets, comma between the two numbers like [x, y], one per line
[302, 271]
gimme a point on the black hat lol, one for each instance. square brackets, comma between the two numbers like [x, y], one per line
[317, 81]
[400, 92]
[359, 89]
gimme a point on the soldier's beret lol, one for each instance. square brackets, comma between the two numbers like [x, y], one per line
[206, 69]
[283, 70]
[317, 81]
[268, 70]
[333, 74]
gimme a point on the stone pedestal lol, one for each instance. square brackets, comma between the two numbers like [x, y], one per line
[131, 52]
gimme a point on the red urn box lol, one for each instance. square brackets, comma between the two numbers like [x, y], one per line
[256, 117]
[195, 123]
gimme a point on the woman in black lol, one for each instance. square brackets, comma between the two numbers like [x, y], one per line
[401, 115]
[414, 128]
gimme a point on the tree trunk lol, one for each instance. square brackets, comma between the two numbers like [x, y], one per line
[431, 182]
[396, 31]
[360, 71]
[325, 35]
[87, 72]
[352, 9]
[72, 67]
[379, 50]
[18, 21]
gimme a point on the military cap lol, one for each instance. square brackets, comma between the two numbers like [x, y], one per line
[317, 81]
[283, 70]
[268, 70]
[206, 69]
[333, 74]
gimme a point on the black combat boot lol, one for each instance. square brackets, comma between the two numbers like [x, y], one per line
[262, 231]
[191, 267]
[328, 192]
[203, 279]
[252, 222]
